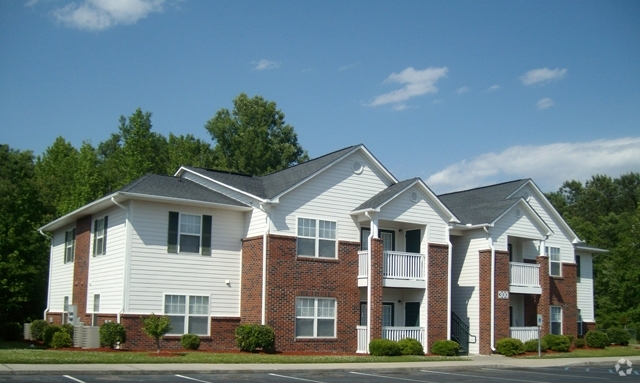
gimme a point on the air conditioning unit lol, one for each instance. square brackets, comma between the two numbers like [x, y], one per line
[27, 331]
[86, 336]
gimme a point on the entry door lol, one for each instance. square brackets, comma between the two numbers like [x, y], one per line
[412, 314]
[412, 238]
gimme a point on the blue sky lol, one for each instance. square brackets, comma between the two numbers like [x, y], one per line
[459, 93]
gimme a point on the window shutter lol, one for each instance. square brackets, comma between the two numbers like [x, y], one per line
[206, 235]
[95, 228]
[66, 241]
[172, 237]
[104, 238]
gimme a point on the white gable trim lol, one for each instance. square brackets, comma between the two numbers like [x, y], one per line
[183, 169]
[522, 203]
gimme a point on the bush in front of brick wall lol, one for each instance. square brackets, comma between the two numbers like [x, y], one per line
[619, 336]
[509, 346]
[445, 348]
[250, 337]
[61, 339]
[410, 346]
[559, 343]
[190, 341]
[384, 347]
[597, 339]
[156, 327]
[532, 345]
[112, 333]
[37, 328]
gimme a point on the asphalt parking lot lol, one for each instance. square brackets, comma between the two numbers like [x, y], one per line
[476, 375]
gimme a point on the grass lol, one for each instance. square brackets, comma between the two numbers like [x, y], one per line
[21, 353]
[630, 350]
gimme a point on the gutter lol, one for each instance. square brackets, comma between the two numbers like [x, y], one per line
[493, 288]
[127, 259]
[450, 263]
[46, 310]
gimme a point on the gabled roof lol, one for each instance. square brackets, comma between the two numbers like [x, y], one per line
[482, 205]
[272, 185]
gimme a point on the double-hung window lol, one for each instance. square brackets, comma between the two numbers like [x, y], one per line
[191, 318]
[556, 320]
[69, 245]
[100, 236]
[578, 269]
[315, 317]
[554, 261]
[189, 233]
[316, 238]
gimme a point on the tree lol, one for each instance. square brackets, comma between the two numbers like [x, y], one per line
[156, 327]
[254, 138]
[55, 172]
[190, 151]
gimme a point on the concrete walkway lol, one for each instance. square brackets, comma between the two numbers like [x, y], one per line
[184, 368]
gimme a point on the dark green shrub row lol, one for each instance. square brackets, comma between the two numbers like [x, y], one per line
[384, 347]
[509, 346]
[250, 337]
[597, 339]
[532, 345]
[445, 348]
[61, 339]
[579, 343]
[618, 336]
[559, 343]
[410, 346]
[112, 333]
[37, 329]
[11, 331]
[190, 341]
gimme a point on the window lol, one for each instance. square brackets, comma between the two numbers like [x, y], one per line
[388, 237]
[556, 320]
[316, 238]
[69, 245]
[315, 317]
[387, 315]
[580, 332]
[100, 236]
[187, 319]
[65, 311]
[96, 303]
[554, 260]
[189, 233]
[578, 272]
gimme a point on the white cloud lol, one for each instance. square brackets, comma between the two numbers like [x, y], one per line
[493, 88]
[416, 83]
[463, 89]
[548, 165]
[31, 3]
[542, 76]
[98, 15]
[266, 65]
[349, 66]
[545, 103]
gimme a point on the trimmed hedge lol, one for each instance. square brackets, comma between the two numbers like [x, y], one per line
[49, 331]
[410, 346]
[11, 331]
[579, 343]
[37, 329]
[250, 337]
[445, 348]
[509, 346]
[384, 347]
[532, 345]
[61, 339]
[111, 333]
[559, 343]
[190, 341]
[597, 339]
[619, 336]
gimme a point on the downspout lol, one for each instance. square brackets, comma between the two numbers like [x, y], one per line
[493, 287]
[127, 259]
[369, 238]
[266, 209]
[46, 310]
[450, 263]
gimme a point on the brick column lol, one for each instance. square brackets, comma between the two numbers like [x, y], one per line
[81, 268]
[501, 314]
[437, 293]
[376, 288]
[545, 298]
[251, 286]
[484, 336]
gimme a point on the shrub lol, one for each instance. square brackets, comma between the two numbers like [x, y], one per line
[445, 348]
[571, 338]
[597, 339]
[11, 331]
[61, 339]
[37, 329]
[250, 337]
[112, 333]
[509, 346]
[48, 333]
[410, 346]
[532, 345]
[579, 343]
[68, 328]
[384, 347]
[156, 327]
[558, 343]
[190, 341]
[619, 336]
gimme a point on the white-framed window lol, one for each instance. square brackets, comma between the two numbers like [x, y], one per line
[554, 261]
[578, 269]
[100, 236]
[556, 320]
[317, 238]
[189, 233]
[69, 245]
[96, 303]
[388, 314]
[191, 318]
[580, 325]
[315, 317]
[65, 310]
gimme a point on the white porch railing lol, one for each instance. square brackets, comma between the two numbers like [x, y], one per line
[393, 333]
[395, 264]
[363, 344]
[525, 274]
[524, 333]
[363, 263]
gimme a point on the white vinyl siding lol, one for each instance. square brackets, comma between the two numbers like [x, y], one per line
[61, 283]
[585, 288]
[153, 269]
[514, 225]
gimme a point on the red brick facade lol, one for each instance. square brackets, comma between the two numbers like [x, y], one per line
[558, 291]
[251, 287]
[437, 292]
[501, 305]
[81, 268]
[377, 251]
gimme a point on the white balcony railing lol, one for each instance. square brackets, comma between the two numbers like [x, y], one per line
[363, 344]
[524, 333]
[395, 264]
[393, 333]
[363, 263]
[525, 274]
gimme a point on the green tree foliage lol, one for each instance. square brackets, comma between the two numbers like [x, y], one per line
[156, 327]
[253, 138]
[190, 151]
[605, 212]
[55, 175]
[23, 251]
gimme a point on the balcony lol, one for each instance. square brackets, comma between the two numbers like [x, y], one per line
[398, 269]
[392, 333]
[525, 278]
[524, 333]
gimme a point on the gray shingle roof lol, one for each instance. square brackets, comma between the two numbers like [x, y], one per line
[484, 204]
[385, 195]
[273, 184]
[174, 187]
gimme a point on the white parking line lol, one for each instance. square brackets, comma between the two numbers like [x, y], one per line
[546, 373]
[293, 377]
[194, 379]
[483, 377]
[72, 378]
[392, 377]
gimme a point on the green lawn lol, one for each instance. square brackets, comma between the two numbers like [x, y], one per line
[21, 353]
[630, 350]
